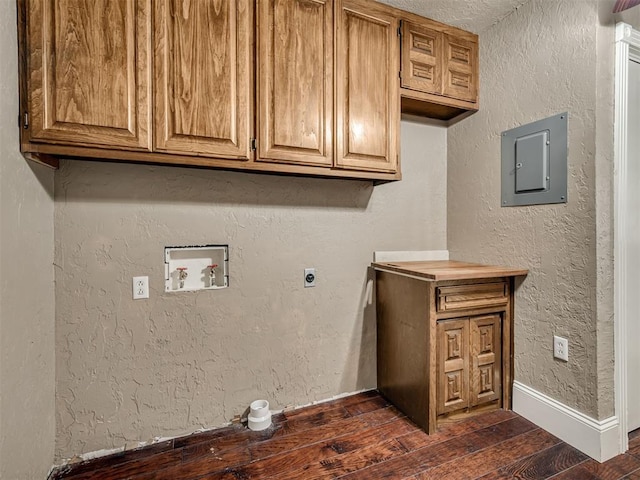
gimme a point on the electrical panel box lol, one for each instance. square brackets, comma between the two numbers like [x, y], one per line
[196, 268]
[534, 163]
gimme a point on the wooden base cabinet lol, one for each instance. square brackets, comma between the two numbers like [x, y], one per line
[444, 338]
[469, 369]
[453, 365]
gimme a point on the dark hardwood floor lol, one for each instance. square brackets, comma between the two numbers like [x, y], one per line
[362, 437]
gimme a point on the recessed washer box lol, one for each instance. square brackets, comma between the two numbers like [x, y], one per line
[534, 163]
[203, 267]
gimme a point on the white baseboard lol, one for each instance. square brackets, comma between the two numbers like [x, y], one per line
[600, 439]
[411, 256]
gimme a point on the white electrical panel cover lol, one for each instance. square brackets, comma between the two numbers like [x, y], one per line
[196, 268]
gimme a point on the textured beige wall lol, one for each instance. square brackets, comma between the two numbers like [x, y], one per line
[27, 389]
[631, 16]
[131, 370]
[541, 60]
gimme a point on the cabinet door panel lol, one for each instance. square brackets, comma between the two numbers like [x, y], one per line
[295, 81]
[453, 365]
[367, 89]
[461, 75]
[88, 79]
[421, 58]
[486, 359]
[202, 75]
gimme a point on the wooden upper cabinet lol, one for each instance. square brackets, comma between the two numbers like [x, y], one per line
[421, 58]
[87, 75]
[295, 81]
[367, 86]
[306, 87]
[439, 69]
[203, 79]
[461, 68]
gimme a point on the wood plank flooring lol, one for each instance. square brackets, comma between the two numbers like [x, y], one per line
[362, 437]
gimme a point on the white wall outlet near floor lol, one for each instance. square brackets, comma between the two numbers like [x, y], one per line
[561, 348]
[140, 287]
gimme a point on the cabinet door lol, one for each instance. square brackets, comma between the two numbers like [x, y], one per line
[421, 58]
[367, 87]
[295, 81]
[486, 359]
[461, 71]
[453, 365]
[203, 77]
[88, 78]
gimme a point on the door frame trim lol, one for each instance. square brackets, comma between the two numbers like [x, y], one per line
[627, 48]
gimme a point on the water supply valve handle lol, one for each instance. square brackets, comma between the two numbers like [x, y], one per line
[212, 274]
[182, 275]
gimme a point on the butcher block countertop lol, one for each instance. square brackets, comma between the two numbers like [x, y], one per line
[441, 270]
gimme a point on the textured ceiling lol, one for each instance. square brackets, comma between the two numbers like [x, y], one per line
[473, 15]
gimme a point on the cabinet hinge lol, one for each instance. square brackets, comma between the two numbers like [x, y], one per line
[400, 29]
[253, 145]
[25, 120]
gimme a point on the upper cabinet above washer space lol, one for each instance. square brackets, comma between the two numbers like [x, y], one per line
[202, 78]
[303, 87]
[87, 79]
[295, 81]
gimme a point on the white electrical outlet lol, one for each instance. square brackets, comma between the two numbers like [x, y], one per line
[140, 287]
[561, 348]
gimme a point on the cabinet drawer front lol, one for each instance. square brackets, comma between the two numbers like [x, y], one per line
[462, 297]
